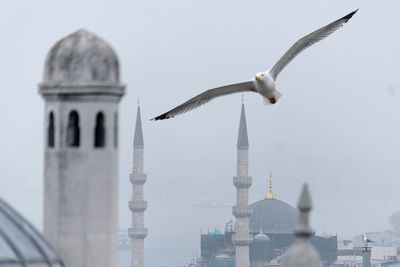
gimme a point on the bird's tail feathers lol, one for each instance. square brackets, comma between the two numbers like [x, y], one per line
[277, 94]
[273, 99]
[266, 101]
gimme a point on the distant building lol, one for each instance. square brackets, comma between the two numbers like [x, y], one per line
[386, 238]
[270, 242]
[356, 255]
[271, 229]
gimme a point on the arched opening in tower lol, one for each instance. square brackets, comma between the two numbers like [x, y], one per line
[99, 131]
[116, 129]
[73, 131]
[50, 131]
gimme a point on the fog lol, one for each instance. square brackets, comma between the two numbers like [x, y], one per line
[336, 126]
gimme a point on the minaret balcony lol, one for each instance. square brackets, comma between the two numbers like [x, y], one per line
[241, 212]
[138, 179]
[138, 206]
[137, 233]
[241, 241]
[242, 182]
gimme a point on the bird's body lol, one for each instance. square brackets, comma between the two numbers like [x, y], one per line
[263, 83]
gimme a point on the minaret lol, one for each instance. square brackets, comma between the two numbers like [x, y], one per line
[81, 90]
[242, 183]
[137, 232]
[302, 253]
[366, 252]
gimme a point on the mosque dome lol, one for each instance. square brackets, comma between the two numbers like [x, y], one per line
[261, 249]
[81, 59]
[223, 260]
[261, 237]
[273, 216]
[21, 244]
[216, 232]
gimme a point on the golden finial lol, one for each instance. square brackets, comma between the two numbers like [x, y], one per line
[270, 195]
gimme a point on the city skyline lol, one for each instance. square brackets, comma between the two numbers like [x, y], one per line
[340, 136]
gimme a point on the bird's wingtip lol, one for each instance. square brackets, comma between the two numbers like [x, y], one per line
[348, 17]
[155, 118]
[161, 117]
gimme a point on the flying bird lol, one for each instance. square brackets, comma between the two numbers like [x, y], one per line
[263, 82]
[366, 240]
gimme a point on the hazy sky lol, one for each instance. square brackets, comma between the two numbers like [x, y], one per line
[337, 125]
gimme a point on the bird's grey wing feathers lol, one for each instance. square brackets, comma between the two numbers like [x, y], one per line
[206, 97]
[308, 41]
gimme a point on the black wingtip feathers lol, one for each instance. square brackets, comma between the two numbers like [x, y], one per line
[348, 17]
[161, 117]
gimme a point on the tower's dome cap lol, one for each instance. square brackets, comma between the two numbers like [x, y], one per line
[81, 59]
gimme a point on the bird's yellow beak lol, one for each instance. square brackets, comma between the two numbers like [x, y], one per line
[258, 77]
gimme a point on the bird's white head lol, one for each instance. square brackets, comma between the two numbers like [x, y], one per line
[260, 76]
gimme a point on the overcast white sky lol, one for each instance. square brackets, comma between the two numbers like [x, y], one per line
[337, 125]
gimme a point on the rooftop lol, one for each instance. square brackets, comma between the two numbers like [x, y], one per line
[21, 244]
[81, 58]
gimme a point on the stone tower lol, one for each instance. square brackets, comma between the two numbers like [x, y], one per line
[366, 252]
[242, 183]
[137, 232]
[82, 91]
[302, 253]
[366, 255]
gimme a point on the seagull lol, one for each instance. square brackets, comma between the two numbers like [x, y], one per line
[263, 82]
[366, 239]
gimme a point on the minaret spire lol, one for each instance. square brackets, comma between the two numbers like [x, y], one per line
[305, 206]
[243, 140]
[138, 136]
[270, 195]
[242, 182]
[137, 232]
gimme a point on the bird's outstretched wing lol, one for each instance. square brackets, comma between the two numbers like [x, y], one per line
[206, 97]
[308, 41]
